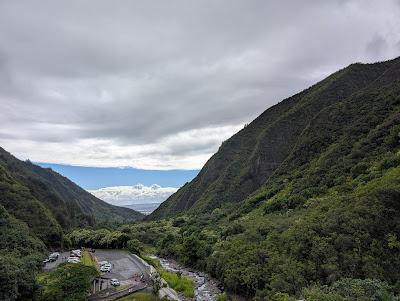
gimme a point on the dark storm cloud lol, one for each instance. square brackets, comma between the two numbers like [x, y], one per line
[162, 83]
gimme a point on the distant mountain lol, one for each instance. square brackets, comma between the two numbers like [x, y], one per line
[138, 197]
[49, 202]
[290, 134]
[145, 208]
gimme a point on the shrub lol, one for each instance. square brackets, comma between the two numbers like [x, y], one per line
[135, 246]
[69, 282]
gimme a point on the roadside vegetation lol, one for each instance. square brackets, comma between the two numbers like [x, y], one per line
[68, 282]
[87, 259]
[179, 283]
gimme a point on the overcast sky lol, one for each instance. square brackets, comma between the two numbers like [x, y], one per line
[160, 84]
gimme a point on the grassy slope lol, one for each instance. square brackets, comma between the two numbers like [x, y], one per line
[178, 283]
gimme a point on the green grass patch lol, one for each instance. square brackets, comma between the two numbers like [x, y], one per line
[179, 283]
[87, 259]
[140, 297]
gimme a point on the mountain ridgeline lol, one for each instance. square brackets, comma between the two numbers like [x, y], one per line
[304, 202]
[37, 208]
[344, 109]
[50, 203]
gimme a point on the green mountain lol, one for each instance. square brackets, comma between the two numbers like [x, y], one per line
[21, 254]
[343, 108]
[49, 203]
[303, 202]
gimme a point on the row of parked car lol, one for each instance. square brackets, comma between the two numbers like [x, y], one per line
[75, 256]
[106, 267]
[52, 257]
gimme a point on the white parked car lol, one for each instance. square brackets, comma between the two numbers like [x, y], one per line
[76, 253]
[105, 269]
[73, 260]
[101, 263]
[114, 282]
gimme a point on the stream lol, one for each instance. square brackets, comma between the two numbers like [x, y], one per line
[205, 287]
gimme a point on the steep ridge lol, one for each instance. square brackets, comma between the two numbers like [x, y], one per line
[273, 141]
[49, 202]
[319, 224]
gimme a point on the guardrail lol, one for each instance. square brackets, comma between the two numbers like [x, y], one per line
[104, 296]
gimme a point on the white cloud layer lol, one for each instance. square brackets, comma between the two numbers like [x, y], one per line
[160, 84]
[139, 197]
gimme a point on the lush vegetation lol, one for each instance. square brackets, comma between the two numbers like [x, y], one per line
[47, 201]
[97, 238]
[178, 282]
[302, 203]
[87, 259]
[21, 255]
[305, 196]
[69, 282]
[248, 159]
[36, 206]
[351, 289]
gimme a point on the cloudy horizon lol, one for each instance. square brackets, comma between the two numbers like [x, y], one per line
[160, 85]
[139, 197]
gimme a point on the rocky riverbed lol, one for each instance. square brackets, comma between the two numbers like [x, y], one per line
[206, 288]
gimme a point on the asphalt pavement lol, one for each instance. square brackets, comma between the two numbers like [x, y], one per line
[52, 265]
[124, 267]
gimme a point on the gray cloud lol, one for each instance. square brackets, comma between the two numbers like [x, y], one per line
[162, 83]
[376, 46]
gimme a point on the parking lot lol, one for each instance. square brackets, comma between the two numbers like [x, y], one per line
[125, 267]
[52, 265]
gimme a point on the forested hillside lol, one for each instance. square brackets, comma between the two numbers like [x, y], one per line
[304, 201]
[49, 202]
[21, 255]
[37, 207]
[247, 160]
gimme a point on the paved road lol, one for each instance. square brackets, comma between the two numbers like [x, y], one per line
[124, 266]
[52, 265]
